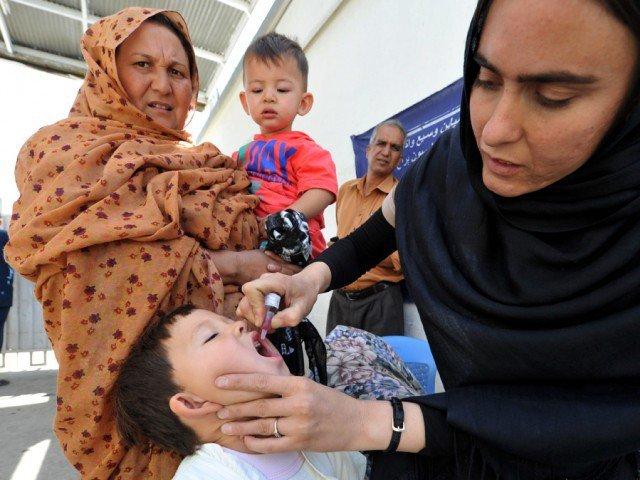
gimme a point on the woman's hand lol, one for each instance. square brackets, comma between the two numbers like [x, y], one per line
[310, 416]
[240, 267]
[313, 417]
[254, 263]
[262, 227]
[299, 292]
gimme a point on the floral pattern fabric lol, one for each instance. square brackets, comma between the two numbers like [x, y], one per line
[114, 224]
[364, 366]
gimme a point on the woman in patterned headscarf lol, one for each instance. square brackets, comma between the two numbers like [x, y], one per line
[121, 219]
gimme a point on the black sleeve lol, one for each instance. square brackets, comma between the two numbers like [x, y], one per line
[438, 433]
[361, 250]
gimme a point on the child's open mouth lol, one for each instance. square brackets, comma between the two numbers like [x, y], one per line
[264, 347]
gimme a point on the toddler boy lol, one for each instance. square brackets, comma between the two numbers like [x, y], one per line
[287, 168]
[165, 393]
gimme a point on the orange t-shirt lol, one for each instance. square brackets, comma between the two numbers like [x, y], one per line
[284, 166]
[355, 205]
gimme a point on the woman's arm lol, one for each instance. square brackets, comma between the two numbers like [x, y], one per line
[389, 207]
[376, 425]
[314, 417]
[237, 268]
[360, 251]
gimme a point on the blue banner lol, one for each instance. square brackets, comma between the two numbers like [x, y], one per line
[424, 121]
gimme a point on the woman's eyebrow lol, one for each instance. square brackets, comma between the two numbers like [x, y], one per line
[483, 62]
[560, 76]
[150, 57]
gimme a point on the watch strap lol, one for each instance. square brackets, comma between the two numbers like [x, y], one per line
[397, 424]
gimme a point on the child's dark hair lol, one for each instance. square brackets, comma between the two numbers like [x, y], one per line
[273, 47]
[142, 391]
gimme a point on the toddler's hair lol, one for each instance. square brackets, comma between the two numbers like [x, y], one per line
[272, 48]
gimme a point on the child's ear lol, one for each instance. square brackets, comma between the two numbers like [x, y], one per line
[306, 102]
[185, 404]
[243, 101]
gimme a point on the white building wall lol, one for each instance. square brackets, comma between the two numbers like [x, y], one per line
[369, 60]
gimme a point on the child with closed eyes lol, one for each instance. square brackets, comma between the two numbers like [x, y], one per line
[165, 393]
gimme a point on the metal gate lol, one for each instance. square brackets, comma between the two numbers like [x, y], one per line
[24, 329]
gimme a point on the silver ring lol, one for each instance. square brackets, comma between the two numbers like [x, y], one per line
[276, 433]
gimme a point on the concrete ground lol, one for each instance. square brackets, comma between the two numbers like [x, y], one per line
[30, 450]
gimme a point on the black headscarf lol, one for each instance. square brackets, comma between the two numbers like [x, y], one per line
[531, 304]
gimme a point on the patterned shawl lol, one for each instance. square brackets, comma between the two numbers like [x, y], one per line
[111, 224]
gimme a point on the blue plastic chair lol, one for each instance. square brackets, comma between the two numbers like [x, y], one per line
[416, 355]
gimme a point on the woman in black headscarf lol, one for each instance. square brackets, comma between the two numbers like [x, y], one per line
[519, 235]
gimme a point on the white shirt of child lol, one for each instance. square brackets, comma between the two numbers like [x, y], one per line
[211, 461]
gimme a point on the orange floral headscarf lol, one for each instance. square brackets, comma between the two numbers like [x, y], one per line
[102, 94]
[114, 223]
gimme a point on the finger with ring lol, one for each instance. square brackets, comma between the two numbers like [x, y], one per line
[276, 433]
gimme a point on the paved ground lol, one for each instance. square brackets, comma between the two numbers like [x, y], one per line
[30, 451]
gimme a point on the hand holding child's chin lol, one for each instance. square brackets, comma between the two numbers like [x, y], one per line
[232, 397]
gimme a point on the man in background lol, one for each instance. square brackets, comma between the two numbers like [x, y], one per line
[374, 301]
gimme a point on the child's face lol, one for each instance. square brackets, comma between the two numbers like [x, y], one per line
[274, 94]
[205, 345]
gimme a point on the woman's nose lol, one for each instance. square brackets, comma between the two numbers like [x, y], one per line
[161, 83]
[504, 123]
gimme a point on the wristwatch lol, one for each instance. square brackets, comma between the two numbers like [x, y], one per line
[397, 424]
